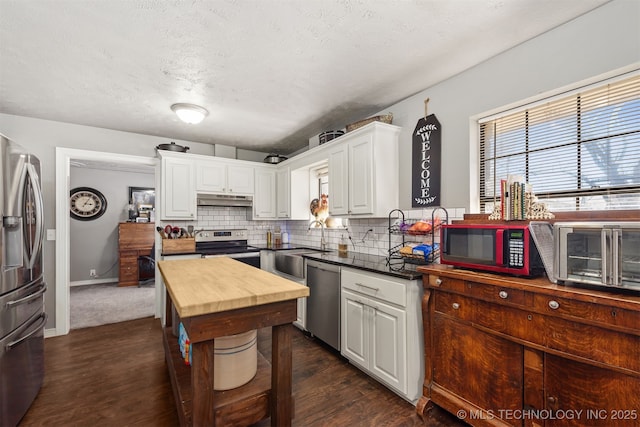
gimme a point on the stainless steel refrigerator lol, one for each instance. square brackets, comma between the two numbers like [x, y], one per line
[22, 286]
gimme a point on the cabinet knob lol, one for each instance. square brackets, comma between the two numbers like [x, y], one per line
[438, 281]
[554, 305]
[503, 294]
[455, 305]
[552, 400]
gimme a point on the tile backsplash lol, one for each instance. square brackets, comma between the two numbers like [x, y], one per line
[368, 236]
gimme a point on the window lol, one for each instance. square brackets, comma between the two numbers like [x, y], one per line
[579, 152]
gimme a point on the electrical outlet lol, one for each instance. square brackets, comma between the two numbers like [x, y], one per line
[92, 273]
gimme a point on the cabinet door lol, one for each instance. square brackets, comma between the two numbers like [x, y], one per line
[283, 193]
[388, 345]
[301, 316]
[338, 182]
[475, 366]
[264, 200]
[355, 340]
[211, 176]
[360, 171]
[605, 397]
[240, 179]
[178, 189]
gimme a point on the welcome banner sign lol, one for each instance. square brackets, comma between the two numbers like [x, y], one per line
[426, 162]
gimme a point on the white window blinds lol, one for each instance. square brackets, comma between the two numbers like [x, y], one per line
[579, 152]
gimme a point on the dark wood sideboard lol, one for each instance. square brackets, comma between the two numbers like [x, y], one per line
[134, 240]
[507, 351]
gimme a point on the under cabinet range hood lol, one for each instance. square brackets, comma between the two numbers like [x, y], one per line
[224, 200]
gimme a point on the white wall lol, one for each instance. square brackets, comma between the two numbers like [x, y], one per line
[600, 41]
[597, 42]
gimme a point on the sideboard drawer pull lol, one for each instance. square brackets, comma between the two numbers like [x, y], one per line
[503, 294]
[455, 305]
[554, 305]
[438, 281]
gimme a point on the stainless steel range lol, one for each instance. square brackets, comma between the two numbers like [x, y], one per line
[229, 243]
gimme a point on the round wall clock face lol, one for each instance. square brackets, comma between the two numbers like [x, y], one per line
[87, 203]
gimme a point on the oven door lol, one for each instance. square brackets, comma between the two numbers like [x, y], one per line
[251, 258]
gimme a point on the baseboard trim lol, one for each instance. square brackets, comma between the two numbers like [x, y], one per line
[93, 282]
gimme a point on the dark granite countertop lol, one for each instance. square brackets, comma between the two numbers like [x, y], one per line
[372, 263]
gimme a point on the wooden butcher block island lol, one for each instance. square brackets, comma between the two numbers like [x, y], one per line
[215, 298]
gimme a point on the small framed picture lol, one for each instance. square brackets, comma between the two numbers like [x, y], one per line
[142, 198]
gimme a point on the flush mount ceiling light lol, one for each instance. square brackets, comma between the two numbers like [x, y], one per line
[190, 113]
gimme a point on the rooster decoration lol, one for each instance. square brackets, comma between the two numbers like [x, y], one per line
[320, 208]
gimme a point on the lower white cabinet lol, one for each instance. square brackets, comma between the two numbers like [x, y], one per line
[382, 329]
[374, 338]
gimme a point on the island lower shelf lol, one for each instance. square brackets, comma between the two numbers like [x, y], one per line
[243, 405]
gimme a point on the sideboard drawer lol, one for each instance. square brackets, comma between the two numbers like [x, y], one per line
[446, 283]
[580, 310]
[600, 345]
[454, 305]
[495, 293]
[521, 324]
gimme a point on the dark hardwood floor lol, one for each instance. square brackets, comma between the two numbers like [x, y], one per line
[115, 375]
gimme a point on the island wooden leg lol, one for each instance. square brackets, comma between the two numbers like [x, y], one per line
[202, 383]
[281, 376]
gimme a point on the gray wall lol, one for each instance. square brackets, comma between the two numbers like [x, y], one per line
[94, 244]
[597, 42]
[600, 41]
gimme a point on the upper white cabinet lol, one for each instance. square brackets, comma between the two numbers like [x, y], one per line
[283, 193]
[177, 192]
[363, 172]
[264, 200]
[215, 176]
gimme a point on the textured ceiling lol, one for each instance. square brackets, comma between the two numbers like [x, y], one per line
[272, 73]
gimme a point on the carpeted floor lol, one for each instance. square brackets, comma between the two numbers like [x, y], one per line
[94, 305]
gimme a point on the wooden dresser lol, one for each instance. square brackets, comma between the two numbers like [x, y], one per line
[134, 240]
[507, 351]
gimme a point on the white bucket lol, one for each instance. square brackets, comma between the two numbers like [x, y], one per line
[235, 360]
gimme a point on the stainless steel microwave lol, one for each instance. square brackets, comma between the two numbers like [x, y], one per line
[598, 253]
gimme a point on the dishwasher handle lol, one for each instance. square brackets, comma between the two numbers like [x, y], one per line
[323, 266]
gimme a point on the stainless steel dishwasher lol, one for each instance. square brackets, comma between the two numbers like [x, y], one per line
[323, 303]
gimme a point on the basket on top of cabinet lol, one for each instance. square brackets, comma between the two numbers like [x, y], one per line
[414, 241]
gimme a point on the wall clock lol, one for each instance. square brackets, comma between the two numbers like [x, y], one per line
[86, 203]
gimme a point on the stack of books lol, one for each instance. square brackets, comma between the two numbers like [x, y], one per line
[513, 192]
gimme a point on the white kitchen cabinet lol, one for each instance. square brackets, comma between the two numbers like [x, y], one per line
[374, 338]
[215, 176]
[177, 192]
[264, 200]
[381, 330]
[363, 172]
[283, 193]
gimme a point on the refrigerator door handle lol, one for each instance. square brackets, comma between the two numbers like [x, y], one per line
[43, 320]
[37, 241]
[28, 298]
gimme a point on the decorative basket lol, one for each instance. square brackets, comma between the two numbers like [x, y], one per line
[329, 135]
[386, 118]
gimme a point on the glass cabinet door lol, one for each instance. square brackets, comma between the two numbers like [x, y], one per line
[629, 262]
[584, 255]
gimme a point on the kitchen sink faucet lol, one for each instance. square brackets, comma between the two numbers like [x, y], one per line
[323, 243]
